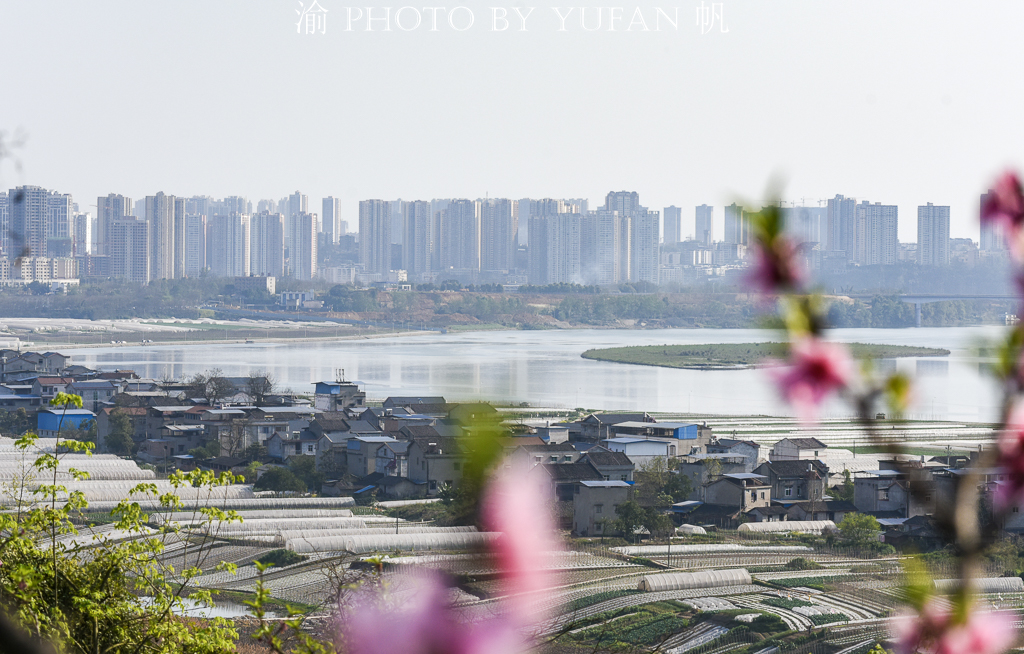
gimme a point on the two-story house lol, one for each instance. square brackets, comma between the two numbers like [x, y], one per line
[613, 466]
[795, 480]
[435, 460]
[798, 449]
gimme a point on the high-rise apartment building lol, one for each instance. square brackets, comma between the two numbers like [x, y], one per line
[227, 245]
[180, 243]
[645, 246]
[557, 242]
[459, 228]
[296, 204]
[992, 235]
[303, 253]
[840, 226]
[932, 235]
[498, 228]
[625, 202]
[268, 206]
[737, 225]
[266, 249]
[600, 251]
[28, 207]
[331, 219]
[83, 234]
[375, 236]
[196, 226]
[160, 215]
[418, 242]
[673, 225]
[128, 249]
[5, 225]
[60, 225]
[875, 241]
[704, 225]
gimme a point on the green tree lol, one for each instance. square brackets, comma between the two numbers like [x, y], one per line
[119, 441]
[304, 468]
[859, 529]
[87, 598]
[280, 480]
[631, 517]
[845, 491]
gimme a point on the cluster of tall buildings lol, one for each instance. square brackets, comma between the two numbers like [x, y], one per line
[167, 237]
[490, 240]
[840, 233]
[546, 241]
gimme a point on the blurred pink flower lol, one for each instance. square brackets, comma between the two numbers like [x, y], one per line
[419, 618]
[1004, 207]
[933, 632]
[776, 267]
[816, 369]
[1011, 459]
[520, 509]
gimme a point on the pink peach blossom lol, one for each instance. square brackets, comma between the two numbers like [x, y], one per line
[1011, 460]
[776, 268]
[934, 632]
[816, 369]
[420, 619]
[1004, 207]
[520, 510]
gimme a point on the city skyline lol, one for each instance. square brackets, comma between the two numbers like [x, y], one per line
[703, 142]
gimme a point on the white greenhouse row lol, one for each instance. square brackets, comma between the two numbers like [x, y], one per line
[805, 526]
[692, 580]
[713, 548]
[389, 542]
[267, 514]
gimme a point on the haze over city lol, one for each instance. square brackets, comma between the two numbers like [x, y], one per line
[899, 103]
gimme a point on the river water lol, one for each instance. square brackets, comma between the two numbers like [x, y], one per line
[544, 368]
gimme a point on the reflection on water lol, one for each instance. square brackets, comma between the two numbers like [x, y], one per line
[932, 367]
[544, 368]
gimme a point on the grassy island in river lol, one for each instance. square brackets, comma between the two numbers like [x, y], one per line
[726, 356]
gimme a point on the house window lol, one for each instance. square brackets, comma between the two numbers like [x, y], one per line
[567, 457]
[456, 466]
[598, 508]
[762, 495]
[788, 492]
[1016, 509]
[554, 459]
[883, 494]
[537, 459]
[815, 453]
[309, 448]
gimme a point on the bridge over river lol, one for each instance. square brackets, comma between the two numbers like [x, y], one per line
[924, 298]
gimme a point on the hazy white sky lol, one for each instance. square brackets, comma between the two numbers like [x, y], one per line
[899, 102]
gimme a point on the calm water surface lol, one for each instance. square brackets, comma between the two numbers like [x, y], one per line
[544, 368]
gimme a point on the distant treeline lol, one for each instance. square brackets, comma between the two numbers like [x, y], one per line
[530, 307]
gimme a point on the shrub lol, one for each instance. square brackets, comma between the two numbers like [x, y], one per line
[281, 558]
[826, 618]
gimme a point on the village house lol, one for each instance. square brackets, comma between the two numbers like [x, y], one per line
[613, 466]
[48, 387]
[594, 504]
[361, 453]
[597, 427]
[435, 461]
[795, 480]
[50, 423]
[95, 393]
[338, 396]
[798, 449]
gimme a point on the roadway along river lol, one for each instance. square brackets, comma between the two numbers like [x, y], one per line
[544, 368]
